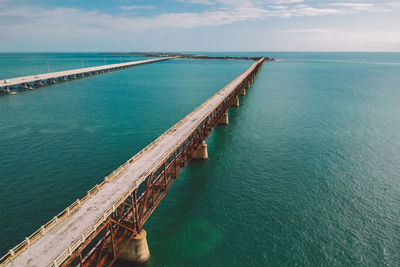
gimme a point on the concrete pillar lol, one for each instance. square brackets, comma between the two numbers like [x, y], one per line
[248, 85]
[243, 93]
[136, 250]
[236, 102]
[224, 120]
[201, 153]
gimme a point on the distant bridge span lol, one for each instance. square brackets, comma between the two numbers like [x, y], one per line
[26, 82]
[107, 223]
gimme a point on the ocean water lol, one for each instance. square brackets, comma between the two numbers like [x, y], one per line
[307, 172]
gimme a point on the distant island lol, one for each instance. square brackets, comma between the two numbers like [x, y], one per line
[191, 56]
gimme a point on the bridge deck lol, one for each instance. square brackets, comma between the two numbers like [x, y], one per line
[70, 229]
[54, 75]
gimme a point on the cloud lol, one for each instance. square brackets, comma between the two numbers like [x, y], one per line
[56, 27]
[37, 22]
[280, 2]
[352, 4]
[394, 4]
[200, 2]
[311, 11]
[355, 6]
[134, 7]
[340, 35]
[279, 7]
[237, 3]
[360, 7]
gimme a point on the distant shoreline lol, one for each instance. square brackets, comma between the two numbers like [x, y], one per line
[191, 56]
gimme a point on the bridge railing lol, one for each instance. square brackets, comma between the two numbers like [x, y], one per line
[71, 208]
[54, 75]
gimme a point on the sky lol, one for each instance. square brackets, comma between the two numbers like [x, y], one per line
[199, 25]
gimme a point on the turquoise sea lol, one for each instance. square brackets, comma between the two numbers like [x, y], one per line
[307, 173]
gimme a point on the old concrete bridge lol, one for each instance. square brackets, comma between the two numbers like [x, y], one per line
[107, 223]
[28, 82]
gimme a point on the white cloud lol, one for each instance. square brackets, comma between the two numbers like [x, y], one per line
[311, 11]
[200, 2]
[45, 21]
[355, 6]
[134, 7]
[40, 22]
[387, 36]
[334, 38]
[361, 7]
[279, 7]
[237, 3]
[352, 4]
[280, 2]
[394, 4]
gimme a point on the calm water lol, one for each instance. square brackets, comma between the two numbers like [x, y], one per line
[306, 173]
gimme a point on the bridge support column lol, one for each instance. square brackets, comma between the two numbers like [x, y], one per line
[243, 93]
[201, 153]
[136, 250]
[224, 120]
[236, 102]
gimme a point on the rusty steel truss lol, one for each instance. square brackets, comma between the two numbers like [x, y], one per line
[105, 244]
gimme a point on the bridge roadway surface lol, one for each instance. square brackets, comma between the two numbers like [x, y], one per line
[49, 246]
[55, 75]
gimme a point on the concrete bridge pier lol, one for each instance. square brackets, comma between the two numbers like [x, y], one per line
[243, 93]
[224, 120]
[236, 102]
[23, 86]
[136, 250]
[201, 153]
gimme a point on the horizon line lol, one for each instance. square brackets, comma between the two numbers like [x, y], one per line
[198, 51]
